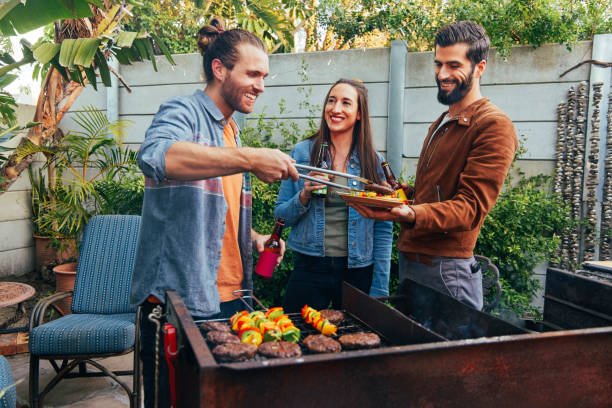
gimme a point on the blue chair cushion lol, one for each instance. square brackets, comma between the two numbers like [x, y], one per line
[84, 334]
[7, 385]
[106, 262]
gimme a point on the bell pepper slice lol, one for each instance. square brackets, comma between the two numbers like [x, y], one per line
[237, 315]
[251, 337]
[292, 335]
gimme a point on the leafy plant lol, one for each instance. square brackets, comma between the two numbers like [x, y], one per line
[121, 195]
[41, 197]
[522, 230]
[85, 162]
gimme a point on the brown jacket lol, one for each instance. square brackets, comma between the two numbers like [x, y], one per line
[459, 176]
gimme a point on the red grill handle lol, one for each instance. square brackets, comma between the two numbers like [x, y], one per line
[171, 353]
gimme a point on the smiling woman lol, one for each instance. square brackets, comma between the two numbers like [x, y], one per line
[332, 242]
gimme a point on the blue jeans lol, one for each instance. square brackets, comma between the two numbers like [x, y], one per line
[317, 281]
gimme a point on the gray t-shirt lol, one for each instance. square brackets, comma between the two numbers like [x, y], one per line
[336, 222]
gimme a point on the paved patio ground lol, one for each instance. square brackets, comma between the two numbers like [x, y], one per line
[76, 392]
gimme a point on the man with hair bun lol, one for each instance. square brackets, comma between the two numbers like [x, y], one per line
[461, 170]
[196, 236]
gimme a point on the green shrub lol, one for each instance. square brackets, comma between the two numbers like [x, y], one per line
[269, 291]
[522, 230]
[121, 195]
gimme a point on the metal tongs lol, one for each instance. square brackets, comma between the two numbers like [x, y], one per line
[244, 295]
[335, 173]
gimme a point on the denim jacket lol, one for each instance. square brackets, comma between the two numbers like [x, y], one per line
[369, 241]
[183, 222]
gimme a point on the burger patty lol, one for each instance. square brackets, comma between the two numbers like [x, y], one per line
[234, 351]
[319, 343]
[218, 337]
[216, 326]
[355, 341]
[334, 316]
[279, 349]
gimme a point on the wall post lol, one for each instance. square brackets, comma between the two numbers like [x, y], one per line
[112, 93]
[395, 120]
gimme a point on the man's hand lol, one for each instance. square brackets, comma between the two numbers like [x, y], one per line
[259, 241]
[271, 165]
[402, 213]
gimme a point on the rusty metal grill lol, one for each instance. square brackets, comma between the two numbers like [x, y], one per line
[446, 355]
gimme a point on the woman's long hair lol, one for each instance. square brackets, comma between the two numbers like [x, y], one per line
[362, 134]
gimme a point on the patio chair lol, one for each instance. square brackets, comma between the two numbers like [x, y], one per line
[8, 397]
[491, 287]
[102, 324]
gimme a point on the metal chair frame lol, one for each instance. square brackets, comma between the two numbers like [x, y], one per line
[489, 282]
[69, 362]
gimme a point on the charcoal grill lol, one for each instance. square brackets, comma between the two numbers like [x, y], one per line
[449, 355]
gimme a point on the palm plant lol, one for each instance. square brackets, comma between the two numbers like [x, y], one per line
[80, 161]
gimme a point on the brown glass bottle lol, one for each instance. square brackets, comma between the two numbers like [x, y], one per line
[395, 185]
[267, 259]
[322, 164]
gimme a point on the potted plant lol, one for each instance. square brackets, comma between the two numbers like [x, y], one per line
[83, 173]
[50, 248]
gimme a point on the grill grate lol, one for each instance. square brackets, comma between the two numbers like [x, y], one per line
[349, 325]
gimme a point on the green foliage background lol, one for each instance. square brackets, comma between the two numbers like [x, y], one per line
[507, 22]
[349, 23]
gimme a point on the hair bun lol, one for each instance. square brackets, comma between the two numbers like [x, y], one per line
[210, 32]
[206, 36]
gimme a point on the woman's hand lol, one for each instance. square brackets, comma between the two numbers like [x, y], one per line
[310, 186]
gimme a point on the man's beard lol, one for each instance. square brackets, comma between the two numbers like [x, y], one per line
[232, 95]
[457, 94]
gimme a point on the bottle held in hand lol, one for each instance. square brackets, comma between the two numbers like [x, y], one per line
[323, 152]
[395, 185]
[267, 259]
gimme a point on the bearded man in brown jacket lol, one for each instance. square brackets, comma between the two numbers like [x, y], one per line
[460, 172]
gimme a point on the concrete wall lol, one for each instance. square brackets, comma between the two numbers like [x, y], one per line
[16, 243]
[526, 86]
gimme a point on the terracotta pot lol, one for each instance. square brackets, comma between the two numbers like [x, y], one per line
[65, 274]
[47, 254]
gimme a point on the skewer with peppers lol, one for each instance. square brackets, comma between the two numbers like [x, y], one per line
[313, 317]
[257, 327]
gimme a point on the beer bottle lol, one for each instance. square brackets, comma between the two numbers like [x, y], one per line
[395, 185]
[323, 152]
[267, 259]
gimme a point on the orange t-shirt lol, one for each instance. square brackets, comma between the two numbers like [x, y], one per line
[229, 275]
